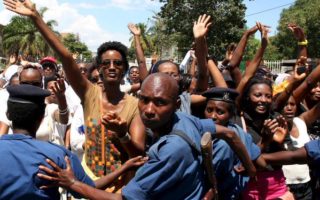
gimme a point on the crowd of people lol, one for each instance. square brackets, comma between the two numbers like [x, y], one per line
[107, 130]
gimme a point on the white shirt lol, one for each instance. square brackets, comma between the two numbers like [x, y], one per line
[296, 174]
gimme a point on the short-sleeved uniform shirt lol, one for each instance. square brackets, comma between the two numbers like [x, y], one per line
[230, 183]
[21, 156]
[173, 170]
[313, 151]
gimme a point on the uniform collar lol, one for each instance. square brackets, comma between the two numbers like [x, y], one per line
[15, 137]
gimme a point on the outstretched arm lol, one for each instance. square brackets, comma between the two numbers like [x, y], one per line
[135, 30]
[200, 30]
[287, 157]
[237, 146]
[65, 178]
[27, 8]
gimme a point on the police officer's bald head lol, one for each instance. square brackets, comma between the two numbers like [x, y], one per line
[161, 82]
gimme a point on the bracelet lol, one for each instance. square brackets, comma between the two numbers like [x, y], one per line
[126, 138]
[64, 111]
[303, 43]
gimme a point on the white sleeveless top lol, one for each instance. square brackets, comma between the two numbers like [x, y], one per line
[296, 174]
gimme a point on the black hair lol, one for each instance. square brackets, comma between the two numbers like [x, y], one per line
[252, 81]
[113, 45]
[23, 115]
[49, 79]
[185, 82]
[155, 67]
[133, 67]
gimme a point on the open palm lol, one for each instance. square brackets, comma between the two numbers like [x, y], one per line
[201, 27]
[134, 29]
[25, 8]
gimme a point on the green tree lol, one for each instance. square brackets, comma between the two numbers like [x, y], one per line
[306, 14]
[154, 39]
[76, 47]
[227, 17]
[159, 38]
[20, 35]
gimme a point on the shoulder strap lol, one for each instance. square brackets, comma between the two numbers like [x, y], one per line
[187, 139]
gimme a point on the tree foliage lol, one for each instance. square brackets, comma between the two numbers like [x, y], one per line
[20, 35]
[306, 14]
[76, 47]
[153, 39]
[227, 17]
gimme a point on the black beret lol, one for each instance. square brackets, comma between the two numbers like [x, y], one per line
[221, 94]
[27, 94]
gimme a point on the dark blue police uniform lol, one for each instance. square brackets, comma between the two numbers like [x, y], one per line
[173, 170]
[21, 156]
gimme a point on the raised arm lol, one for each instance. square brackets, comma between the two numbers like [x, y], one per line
[200, 30]
[238, 53]
[302, 40]
[135, 30]
[311, 115]
[309, 83]
[254, 64]
[63, 112]
[27, 8]
[294, 82]
[216, 75]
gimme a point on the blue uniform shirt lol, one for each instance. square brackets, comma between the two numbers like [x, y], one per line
[230, 183]
[173, 170]
[21, 156]
[313, 151]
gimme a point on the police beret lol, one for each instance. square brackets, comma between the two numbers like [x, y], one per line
[27, 94]
[221, 94]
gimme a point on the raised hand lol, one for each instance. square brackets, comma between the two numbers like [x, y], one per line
[135, 30]
[201, 27]
[59, 88]
[252, 30]
[297, 31]
[301, 69]
[269, 128]
[281, 131]
[264, 33]
[26, 7]
[59, 177]
[115, 124]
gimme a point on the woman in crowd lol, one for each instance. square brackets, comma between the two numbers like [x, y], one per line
[114, 130]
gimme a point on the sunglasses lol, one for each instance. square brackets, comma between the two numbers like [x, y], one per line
[116, 63]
